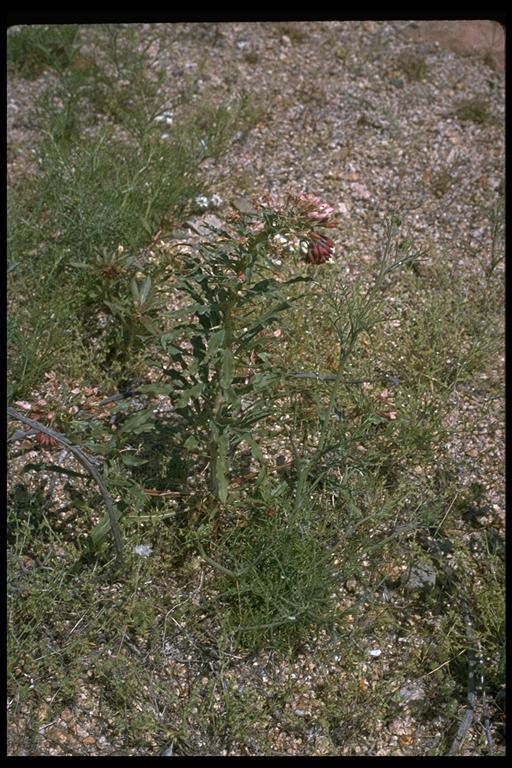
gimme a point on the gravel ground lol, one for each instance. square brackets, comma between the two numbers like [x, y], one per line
[336, 116]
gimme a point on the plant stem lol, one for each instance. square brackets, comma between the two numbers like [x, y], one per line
[218, 448]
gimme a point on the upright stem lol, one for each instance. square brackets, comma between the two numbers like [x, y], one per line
[218, 448]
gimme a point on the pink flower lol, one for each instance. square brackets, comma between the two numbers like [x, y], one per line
[314, 208]
[320, 248]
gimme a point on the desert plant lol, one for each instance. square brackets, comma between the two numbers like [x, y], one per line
[32, 49]
[473, 110]
[237, 296]
[413, 66]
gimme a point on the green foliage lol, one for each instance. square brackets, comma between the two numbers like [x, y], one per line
[33, 49]
[86, 220]
[413, 66]
[235, 297]
[284, 577]
[473, 110]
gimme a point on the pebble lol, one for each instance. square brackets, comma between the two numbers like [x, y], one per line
[412, 692]
[420, 576]
[360, 191]
[57, 735]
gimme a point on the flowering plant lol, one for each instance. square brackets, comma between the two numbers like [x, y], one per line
[219, 365]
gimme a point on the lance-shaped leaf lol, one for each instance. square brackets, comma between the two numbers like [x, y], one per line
[215, 342]
[133, 461]
[144, 291]
[140, 422]
[100, 531]
[189, 394]
[135, 290]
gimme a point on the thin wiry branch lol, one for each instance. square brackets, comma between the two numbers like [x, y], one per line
[471, 696]
[86, 462]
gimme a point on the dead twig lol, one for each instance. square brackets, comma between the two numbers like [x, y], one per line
[84, 460]
[471, 697]
[485, 709]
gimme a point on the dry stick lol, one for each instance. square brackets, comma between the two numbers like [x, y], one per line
[485, 709]
[471, 698]
[85, 461]
[21, 434]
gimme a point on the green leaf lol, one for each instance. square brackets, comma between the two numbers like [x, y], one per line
[140, 422]
[190, 443]
[189, 309]
[80, 265]
[102, 450]
[188, 394]
[116, 308]
[147, 226]
[266, 319]
[100, 531]
[135, 290]
[255, 448]
[262, 381]
[215, 342]
[144, 291]
[150, 326]
[133, 461]
[253, 416]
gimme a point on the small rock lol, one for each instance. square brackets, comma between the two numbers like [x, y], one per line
[57, 735]
[360, 191]
[203, 225]
[89, 741]
[412, 692]
[324, 746]
[242, 204]
[142, 550]
[420, 576]
[66, 715]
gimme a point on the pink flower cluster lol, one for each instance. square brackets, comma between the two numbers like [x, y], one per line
[320, 248]
[315, 209]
